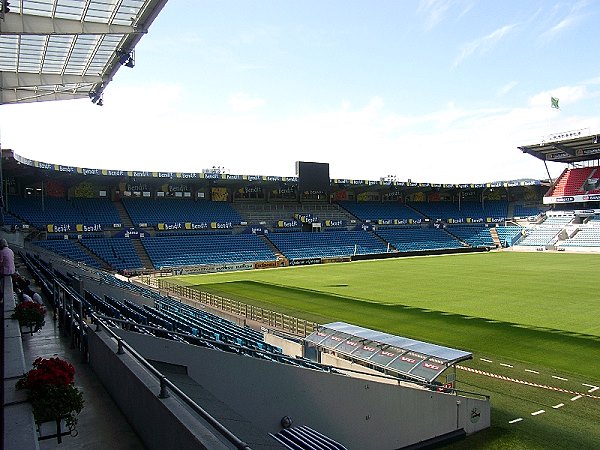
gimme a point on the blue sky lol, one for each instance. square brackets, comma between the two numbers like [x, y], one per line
[432, 91]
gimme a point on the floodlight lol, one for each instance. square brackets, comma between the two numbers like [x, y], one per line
[123, 56]
[96, 98]
[126, 58]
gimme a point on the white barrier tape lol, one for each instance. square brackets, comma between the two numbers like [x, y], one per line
[527, 383]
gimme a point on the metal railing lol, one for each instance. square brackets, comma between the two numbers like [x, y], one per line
[167, 385]
[273, 319]
[70, 312]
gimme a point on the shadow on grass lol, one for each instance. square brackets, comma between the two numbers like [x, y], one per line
[567, 351]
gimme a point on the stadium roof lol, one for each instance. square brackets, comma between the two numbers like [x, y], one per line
[67, 49]
[401, 355]
[567, 147]
[31, 169]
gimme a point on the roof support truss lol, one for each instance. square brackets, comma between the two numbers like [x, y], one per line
[25, 80]
[564, 148]
[56, 50]
[40, 26]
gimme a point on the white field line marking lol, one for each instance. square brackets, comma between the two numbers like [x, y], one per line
[560, 405]
[532, 371]
[588, 385]
[526, 383]
[505, 365]
[516, 420]
[560, 378]
[490, 361]
[594, 389]
[537, 413]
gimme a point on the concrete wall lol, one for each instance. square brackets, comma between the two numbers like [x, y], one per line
[18, 426]
[366, 373]
[160, 423]
[357, 413]
[15, 239]
[101, 289]
[289, 347]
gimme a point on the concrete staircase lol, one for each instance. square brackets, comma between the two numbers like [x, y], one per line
[99, 260]
[511, 210]
[142, 254]
[278, 254]
[389, 245]
[125, 219]
[495, 237]
[137, 245]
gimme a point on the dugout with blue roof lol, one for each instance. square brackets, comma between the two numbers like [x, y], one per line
[405, 357]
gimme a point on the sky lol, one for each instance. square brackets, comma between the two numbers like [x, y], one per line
[440, 91]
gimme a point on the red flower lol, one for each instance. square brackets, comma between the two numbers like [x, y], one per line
[45, 372]
[51, 391]
[30, 314]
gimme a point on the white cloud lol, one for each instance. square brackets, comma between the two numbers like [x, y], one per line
[241, 102]
[483, 44]
[573, 17]
[136, 132]
[507, 88]
[567, 95]
[434, 11]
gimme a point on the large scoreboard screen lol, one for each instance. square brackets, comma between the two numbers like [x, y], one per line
[312, 176]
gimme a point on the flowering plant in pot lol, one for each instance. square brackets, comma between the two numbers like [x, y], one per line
[30, 314]
[52, 392]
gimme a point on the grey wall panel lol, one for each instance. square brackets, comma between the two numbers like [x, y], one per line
[160, 423]
[360, 414]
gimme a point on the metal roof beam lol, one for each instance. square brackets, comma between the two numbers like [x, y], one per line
[34, 95]
[564, 148]
[11, 80]
[41, 26]
[531, 152]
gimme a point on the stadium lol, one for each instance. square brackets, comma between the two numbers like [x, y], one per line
[217, 310]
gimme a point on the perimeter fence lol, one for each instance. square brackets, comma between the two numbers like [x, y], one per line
[272, 319]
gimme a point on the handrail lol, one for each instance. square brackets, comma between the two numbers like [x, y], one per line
[199, 296]
[325, 367]
[165, 382]
[283, 322]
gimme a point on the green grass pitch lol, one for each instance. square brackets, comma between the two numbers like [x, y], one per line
[536, 313]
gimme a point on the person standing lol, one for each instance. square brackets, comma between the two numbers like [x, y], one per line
[7, 262]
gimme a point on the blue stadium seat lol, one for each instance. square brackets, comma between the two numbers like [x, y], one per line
[374, 211]
[474, 235]
[411, 239]
[327, 244]
[497, 209]
[70, 250]
[177, 251]
[119, 253]
[170, 211]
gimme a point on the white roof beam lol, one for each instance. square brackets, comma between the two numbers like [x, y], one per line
[30, 96]
[40, 26]
[11, 80]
